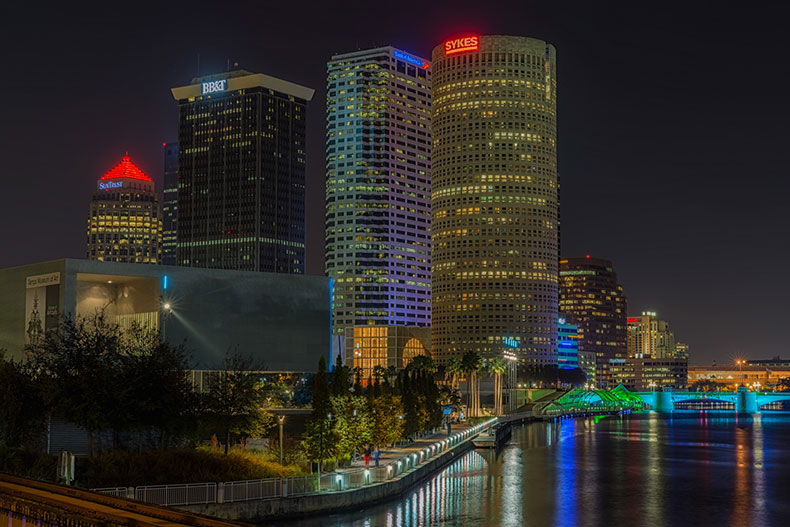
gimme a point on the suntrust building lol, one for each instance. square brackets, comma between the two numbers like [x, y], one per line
[494, 198]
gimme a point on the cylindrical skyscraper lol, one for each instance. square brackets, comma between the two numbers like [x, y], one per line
[494, 198]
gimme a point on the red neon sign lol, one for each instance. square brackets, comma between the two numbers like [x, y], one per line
[457, 45]
[632, 319]
[126, 169]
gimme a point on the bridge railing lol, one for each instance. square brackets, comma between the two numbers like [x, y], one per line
[259, 489]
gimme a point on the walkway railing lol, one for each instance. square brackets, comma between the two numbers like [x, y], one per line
[261, 489]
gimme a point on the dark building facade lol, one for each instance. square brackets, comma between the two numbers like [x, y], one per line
[170, 204]
[281, 321]
[124, 222]
[241, 173]
[591, 298]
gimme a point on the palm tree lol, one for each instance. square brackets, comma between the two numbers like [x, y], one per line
[454, 369]
[473, 364]
[497, 367]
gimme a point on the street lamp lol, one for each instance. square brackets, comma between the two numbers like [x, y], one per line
[281, 420]
[167, 309]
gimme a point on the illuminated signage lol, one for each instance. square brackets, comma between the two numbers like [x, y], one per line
[510, 342]
[411, 60]
[457, 45]
[110, 184]
[214, 86]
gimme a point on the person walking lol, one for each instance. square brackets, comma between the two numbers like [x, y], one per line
[366, 455]
[376, 455]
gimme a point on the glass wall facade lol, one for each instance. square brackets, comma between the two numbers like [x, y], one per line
[378, 246]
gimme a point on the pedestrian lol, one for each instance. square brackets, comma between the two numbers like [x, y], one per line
[366, 455]
[376, 455]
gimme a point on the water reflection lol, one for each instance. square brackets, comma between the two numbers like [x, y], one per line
[691, 467]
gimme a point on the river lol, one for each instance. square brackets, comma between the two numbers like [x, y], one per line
[691, 468]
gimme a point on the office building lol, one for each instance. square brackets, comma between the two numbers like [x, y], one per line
[241, 173]
[642, 374]
[124, 222]
[591, 298]
[587, 363]
[649, 337]
[681, 351]
[567, 345]
[281, 321]
[494, 198]
[170, 204]
[378, 215]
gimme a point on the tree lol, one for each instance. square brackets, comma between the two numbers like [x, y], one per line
[473, 364]
[22, 407]
[454, 368]
[387, 416]
[352, 423]
[340, 378]
[421, 363]
[497, 367]
[232, 405]
[81, 363]
[320, 441]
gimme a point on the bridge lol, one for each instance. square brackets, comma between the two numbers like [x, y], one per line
[743, 400]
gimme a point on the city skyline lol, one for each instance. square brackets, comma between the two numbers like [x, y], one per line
[700, 277]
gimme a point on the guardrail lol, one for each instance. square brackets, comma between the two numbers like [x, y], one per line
[261, 489]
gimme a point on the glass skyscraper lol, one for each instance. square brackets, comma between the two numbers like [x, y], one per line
[170, 204]
[591, 298]
[378, 163]
[241, 173]
[495, 202]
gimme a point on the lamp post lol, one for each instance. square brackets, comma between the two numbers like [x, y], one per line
[167, 309]
[281, 420]
[512, 360]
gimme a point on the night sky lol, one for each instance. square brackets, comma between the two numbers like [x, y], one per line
[672, 130]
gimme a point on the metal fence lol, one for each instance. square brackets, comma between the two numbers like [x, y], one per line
[189, 494]
[260, 489]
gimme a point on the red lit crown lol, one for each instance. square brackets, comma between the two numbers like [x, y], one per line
[126, 169]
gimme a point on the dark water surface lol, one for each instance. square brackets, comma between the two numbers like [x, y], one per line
[686, 468]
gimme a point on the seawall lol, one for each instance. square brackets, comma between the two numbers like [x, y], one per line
[257, 511]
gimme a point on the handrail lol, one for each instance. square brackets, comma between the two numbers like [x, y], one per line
[273, 488]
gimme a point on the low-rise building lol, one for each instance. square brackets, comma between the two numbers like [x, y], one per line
[730, 377]
[646, 374]
[281, 320]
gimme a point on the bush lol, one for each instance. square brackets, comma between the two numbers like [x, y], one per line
[124, 469]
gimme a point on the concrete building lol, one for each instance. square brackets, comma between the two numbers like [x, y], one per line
[645, 374]
[170, 204]
[728, 378]
[241, 173]
[378, 215]
[282, 321]
[124, 222]
[495, 204]
[650, 337]
[567, 345]
[591, 298]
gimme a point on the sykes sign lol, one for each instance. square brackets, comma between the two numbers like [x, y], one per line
[457, 45]
[214, 86]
